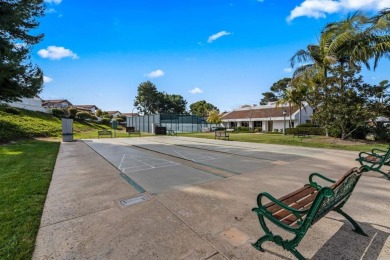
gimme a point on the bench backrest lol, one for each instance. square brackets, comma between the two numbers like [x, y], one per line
[386, 156]
[330, 197]
[130, 129]
[104, 132]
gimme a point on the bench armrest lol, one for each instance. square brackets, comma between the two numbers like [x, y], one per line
[277, 202]
[315, 184]
[369, 157]
[377, 151]
[365, 154]
[262, 210]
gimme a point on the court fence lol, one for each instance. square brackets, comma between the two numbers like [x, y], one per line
[176, 122]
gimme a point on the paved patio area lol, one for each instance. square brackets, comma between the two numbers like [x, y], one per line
[197, 201]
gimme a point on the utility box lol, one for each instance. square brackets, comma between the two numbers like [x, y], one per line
[160, 130]
[114, 124]
[67, 129]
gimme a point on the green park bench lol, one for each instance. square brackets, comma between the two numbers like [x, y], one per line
[131, 130]
[375, 160]
[104, 132]
[301, 133]
[299, 210]
[221, 134]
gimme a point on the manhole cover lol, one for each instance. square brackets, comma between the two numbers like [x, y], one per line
[132, 201]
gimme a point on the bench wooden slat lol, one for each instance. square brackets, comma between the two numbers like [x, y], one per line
[300, 205]
[292, 197]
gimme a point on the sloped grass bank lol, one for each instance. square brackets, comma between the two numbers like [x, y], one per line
[28, 124]
[25, 173]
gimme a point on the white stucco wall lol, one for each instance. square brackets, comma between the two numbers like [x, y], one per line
[32, 104]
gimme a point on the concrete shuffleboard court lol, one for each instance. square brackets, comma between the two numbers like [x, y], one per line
[201, 208]
[159, 165]
[155, 175]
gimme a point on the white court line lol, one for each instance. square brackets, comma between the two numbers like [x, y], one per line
[198, 157]
[163, 163]
[150, 168]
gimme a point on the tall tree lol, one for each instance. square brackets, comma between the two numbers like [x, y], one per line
[148, 99]
[172, 104]
[280, 87]
[202, 108]
[19, 78]
[268, 97]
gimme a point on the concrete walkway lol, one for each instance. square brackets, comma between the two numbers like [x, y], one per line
[83, 218]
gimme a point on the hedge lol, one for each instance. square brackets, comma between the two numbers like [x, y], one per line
[309, 130]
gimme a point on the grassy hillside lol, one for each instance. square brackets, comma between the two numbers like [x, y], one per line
[28, 124]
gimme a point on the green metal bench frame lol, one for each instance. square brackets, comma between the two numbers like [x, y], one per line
[104, 132]
[299, 210]
[375, 160]
[221, 134]
[131, 130]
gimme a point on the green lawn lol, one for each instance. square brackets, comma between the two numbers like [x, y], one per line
[25, 172]
[312, 141]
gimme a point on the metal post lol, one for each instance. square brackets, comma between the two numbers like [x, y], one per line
[132, 117]
[284, 122]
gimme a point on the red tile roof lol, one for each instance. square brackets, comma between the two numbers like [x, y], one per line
[258, 113]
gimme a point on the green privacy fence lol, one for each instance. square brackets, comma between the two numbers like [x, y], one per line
[176, 122]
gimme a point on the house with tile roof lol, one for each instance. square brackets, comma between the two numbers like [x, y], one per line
[58, 103]
[87, 108]
[267, 117]
[130, 114]
[114, 113]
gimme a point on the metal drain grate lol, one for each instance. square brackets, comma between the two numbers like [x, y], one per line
[132, 201]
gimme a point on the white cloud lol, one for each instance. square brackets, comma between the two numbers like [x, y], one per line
[287, 70]
[51, 11]
[57, 53]
[156, 74]
[217, 35]
[320, 8]
[47, 79]
[196, 91]
[57, 2]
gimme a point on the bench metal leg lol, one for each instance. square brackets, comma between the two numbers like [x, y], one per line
[386, 174]
[288, 245]
[357, 229]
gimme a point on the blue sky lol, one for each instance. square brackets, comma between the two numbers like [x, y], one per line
[226, 52]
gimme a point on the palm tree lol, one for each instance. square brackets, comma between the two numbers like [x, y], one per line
[344, 45]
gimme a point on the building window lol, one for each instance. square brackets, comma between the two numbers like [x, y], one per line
[257, 124]
[232, 125]
[292, 124]
[245, 124]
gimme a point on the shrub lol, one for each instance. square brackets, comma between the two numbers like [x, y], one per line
[258, 129]
[58, 112]
[360, 132]
[276, 130]
[94, 118]
[242, 129]
[307, 125]
[12, 110]
[72, 112]
[120, 119]
[105, 121]
[83, 115]
[309, 130]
